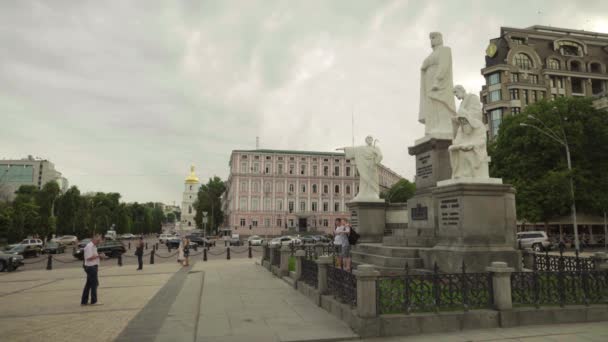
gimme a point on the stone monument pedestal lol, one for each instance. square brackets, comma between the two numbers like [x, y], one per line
[368, 219]
[476, 224]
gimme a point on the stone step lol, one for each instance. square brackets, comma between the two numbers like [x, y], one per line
[387, 251]
[384, 261]
[408, 241]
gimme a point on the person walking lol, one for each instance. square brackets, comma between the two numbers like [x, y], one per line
[186, 252]
[91, 265]
[139, 251]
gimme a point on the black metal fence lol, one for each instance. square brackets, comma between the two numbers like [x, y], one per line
[342, 285]
[548, 262]
[559, 288]
[434, 292]
[314, 251]
[309, 272]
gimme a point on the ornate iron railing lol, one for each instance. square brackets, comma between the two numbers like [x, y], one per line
[309, 271]
[266, 255]
[559, 288]
[434, 292]
[314, 251]
[276, 256]
[547, 262]
[342, 285]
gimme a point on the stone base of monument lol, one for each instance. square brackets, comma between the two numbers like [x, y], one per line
[476, 223]
[368, 219]
[432, 161]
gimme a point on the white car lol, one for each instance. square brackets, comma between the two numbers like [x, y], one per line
[128, 236]
[255, 240]
[66, 240]
[285, 241]
[32, 242]
[164, 237]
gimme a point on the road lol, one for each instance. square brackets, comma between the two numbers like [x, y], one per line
[66, 260]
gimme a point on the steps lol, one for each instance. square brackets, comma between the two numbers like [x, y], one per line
[388, 259]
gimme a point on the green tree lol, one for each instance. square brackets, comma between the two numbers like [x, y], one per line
[66, 208]
[209, 200]
[536, 164]
[400, 192]
[171, 217]
[46, 198]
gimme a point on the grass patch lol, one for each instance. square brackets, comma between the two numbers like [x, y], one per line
[292, 264]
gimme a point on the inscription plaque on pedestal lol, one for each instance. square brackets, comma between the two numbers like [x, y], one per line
[354, 220]
[424, 167]
[419, 213]
[449, 213]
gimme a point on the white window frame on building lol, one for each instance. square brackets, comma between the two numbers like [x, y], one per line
[313, 206]
[254, 222]
[303, 188]
[280, 168]
[280, 204]
[256, 167]
[337, 206]
[243, 222]
[325, 206]
[243, 204]
[244, 167]
[291, 206]
[292, 187]
[266, 222]
[302, 206]
[255, 204]
[314, 188]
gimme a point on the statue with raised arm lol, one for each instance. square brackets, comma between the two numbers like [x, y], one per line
[436, 99]
[367, 159]
[468, 154]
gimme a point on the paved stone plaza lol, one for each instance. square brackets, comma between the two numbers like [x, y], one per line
[206, 302]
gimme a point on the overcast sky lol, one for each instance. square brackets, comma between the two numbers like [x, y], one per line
[124, 95]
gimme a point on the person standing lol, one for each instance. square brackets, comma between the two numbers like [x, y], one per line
[186, 251]
[91, 265]
[139, 251]
[180, 252]
[341, 239]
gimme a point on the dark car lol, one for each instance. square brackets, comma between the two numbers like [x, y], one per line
[111, 248]
[199, 240]
[83, 243]
[25, 250]
[308, 240]
[6, 257]
[53, 247]
[321, 239]
[173, 242]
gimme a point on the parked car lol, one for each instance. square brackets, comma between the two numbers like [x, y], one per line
[308, 240]
[173, 242]
[53, 247]
[66, 240]
[25, 250]
[164, 237]
[4, 261]
[33, 242]
[235, 240]
[537, 240]
[128, 236]
[111, 248]
[321, 239]
[285, 241]
[255, 240]
[199, 240]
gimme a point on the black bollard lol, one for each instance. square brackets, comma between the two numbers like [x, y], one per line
[250, 251]
[228, 253]
[9, 267]
[157, 245]
[146, 245]
[73, 250]
[196, 247]
[49, 263]
[152, 256]
[119, 259]
[169, 248]
[205, 254]
[225, 243]
[129, 244]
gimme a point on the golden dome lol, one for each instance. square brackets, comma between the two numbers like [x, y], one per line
[192, 178]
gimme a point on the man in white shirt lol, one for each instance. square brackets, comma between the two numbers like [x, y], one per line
[91, 264]
[341, 239]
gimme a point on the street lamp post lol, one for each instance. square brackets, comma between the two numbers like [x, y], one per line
[204, 224]
[562, 140]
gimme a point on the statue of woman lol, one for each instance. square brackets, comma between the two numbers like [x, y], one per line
[367, 158]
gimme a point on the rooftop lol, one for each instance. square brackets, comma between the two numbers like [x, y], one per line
[317, 153]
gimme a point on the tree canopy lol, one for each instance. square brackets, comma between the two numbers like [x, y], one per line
[400, 192]
[536, 164]
[209, 200]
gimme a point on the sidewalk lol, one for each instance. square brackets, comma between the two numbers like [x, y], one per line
[47, 303]
[583, 332]
[241, 301]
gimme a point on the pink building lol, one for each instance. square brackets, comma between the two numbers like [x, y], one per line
[269, 192]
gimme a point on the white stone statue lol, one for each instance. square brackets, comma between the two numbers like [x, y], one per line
[437, 105]
[468, 154]
[367, 159]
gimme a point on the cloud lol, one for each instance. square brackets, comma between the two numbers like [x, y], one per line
[124, 96]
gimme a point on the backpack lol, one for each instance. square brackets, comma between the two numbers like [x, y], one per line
[353, 237]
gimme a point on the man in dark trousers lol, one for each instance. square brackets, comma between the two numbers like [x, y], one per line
[91, 265]
[139, 251]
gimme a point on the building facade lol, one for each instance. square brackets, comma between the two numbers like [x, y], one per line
[191, 185]
[27, 171]
[271, 191]
[527, 65]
